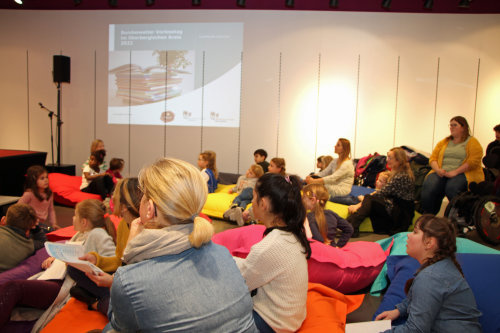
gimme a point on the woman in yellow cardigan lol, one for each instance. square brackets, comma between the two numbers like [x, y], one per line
[455, 162]
[127, 198]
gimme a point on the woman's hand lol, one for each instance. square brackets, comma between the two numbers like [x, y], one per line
[101, 279]
[89, 257]
[450, 174]
[441, 172]
[47, 262]
[135, 228]
[392, 315]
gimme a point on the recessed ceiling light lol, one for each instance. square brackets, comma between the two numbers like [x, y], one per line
[19, 1]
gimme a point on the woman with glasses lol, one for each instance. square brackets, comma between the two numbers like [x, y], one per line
[455, 162]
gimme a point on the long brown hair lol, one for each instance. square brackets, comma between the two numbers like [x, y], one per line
[280, 163]
[95, 212]
[321, 194]
[32, 175]
[346, 153]
[210, 157]
[402, 158]
[127, 194]
[444, 231]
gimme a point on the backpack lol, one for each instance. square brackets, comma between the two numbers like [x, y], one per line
[362, 164]
[376, 165]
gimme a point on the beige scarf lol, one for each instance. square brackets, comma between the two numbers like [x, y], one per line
[151, 243]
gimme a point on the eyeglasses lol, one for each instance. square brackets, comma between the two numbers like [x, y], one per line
[452, 125]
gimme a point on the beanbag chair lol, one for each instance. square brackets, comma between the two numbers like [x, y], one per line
[484, 286]
[346, 269]
[28, 267]
[76, 317]
[327, 309]
[397, 246]
[67, 189]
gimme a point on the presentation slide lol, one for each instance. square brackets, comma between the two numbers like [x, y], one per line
[175, 74]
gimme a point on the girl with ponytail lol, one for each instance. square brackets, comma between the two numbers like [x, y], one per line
[174, 274]
[275, 270]
[439, 298]
[322, 222]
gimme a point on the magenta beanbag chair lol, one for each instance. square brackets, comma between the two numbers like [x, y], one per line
[28, 267]
[347, 269]
[67, 189]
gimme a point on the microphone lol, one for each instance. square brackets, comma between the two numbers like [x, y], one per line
[41, 105]
[51, 113]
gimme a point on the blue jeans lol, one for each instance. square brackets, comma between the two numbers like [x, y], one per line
[244, 198]
[262, 326]
[435, 188]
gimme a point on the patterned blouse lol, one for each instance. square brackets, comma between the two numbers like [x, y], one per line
[401, 186]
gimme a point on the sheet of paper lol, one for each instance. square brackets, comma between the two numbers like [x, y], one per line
[368, 326]
[69, 253]
[56, 271]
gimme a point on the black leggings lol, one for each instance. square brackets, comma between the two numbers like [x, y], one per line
[102, 185]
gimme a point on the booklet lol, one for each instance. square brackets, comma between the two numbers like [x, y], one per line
[368, 326]
[69, 253]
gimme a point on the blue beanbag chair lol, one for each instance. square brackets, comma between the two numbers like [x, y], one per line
[482, 272]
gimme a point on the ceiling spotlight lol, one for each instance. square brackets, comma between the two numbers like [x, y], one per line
[334, 3]
[386, 4]
[289, 3]
[19, 2]
[428, 4]
[240, 3]
[196, 2]
[464, 3]
[113, 3]
[150, 2]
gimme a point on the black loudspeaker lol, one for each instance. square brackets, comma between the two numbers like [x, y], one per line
[62, 68]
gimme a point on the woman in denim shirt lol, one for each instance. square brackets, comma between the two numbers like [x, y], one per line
[176, 279]
[439, 298]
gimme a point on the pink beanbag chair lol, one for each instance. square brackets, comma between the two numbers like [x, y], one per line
[67, 189]
[347, 269]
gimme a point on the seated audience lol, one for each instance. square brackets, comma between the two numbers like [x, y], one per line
[382, 179]
[323, 223]
[176, 279]
[94, 179]
[391, 209]
[259, 157]
[455, 162]
[89, 222]
[439, 298]
[116, 166]
[19, 235]
[207, 165]
[96, 145]
[338, 177]
[244, 187]
[38, 195]
[275, 270]
[323, 162]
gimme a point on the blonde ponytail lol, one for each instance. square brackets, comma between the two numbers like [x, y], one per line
[202, 232]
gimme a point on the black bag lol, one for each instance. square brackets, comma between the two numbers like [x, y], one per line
[369, 176]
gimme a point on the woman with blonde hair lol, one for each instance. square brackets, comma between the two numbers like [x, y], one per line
[175, 277]
[392, 208]
[338, 177]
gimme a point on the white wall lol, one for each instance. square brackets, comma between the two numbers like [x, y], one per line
[308, 78]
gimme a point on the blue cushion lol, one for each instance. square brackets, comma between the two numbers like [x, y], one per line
[399, 248]
[482, 272]
[360, 190]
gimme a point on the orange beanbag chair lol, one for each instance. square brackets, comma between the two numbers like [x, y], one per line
[75, 317]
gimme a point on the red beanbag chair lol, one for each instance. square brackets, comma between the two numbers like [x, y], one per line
[67, 189]
[347, 269]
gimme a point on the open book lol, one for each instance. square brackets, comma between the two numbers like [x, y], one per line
[69, 253]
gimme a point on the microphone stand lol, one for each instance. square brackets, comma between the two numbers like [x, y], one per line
[51, 114]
